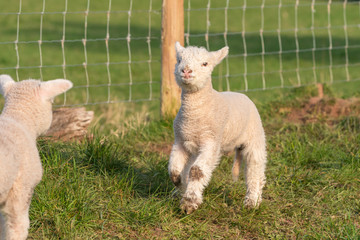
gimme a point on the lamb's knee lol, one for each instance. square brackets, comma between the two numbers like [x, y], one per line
[175, 178]
[255, 154]
[196, 173]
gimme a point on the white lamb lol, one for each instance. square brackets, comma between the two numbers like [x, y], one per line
[27, 114]
[210, 123]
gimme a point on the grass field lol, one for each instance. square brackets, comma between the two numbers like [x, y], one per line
[116, 185]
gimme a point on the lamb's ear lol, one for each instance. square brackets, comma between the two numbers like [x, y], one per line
[219, 55]
[50, 89]
[178, 47]
[5, 83]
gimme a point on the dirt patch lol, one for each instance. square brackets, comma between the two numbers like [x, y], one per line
[324, 109]
[161, 148]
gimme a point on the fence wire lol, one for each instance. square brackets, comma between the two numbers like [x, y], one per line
[111, 49]
[278, 44]
[91, 44]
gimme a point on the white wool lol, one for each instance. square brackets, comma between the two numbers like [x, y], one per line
[210, 123]
[27, 114]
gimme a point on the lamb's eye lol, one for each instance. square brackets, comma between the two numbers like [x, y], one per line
[204, 64]
[178, 61]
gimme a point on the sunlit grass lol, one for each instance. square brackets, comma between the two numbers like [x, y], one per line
[116, 185]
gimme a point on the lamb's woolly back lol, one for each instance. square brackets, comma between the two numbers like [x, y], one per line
[195, 65]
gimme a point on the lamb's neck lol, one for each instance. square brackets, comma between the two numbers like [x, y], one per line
[198, 98]
[21, 119]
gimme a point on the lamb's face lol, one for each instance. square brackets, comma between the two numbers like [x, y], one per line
[33, 99]
[195, 65]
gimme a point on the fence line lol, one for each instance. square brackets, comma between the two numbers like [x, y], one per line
[297, 27]
[112, 53]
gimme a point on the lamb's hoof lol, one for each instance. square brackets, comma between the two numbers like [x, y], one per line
[251, 202]
[175, 178]
[188, 205]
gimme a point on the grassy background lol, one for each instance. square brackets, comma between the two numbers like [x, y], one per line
[116, 185]
[114, 85]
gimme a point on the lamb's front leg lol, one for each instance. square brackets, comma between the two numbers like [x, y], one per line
[178, 158]
[199, 175]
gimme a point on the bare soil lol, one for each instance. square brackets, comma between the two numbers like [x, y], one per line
[324, 109]
[162, 148]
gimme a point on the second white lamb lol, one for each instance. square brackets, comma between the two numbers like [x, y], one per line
[210, 123]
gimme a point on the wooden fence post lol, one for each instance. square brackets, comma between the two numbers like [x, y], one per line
[172, 31]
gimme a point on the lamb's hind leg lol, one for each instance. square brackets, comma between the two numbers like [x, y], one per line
[255, 163]
[16, 212]
[237, 163]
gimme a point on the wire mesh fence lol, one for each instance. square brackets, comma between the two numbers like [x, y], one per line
[105, 48]
[278, 44]
[111, 49]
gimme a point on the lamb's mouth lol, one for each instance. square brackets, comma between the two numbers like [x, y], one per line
[187, 81]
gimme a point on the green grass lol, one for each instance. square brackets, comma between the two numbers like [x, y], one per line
[116, 186]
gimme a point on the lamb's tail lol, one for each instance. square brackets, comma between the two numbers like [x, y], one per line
[237, 164]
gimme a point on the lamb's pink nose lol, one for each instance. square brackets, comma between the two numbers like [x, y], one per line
[186, 73]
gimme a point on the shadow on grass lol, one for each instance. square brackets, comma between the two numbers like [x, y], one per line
[147, 171]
